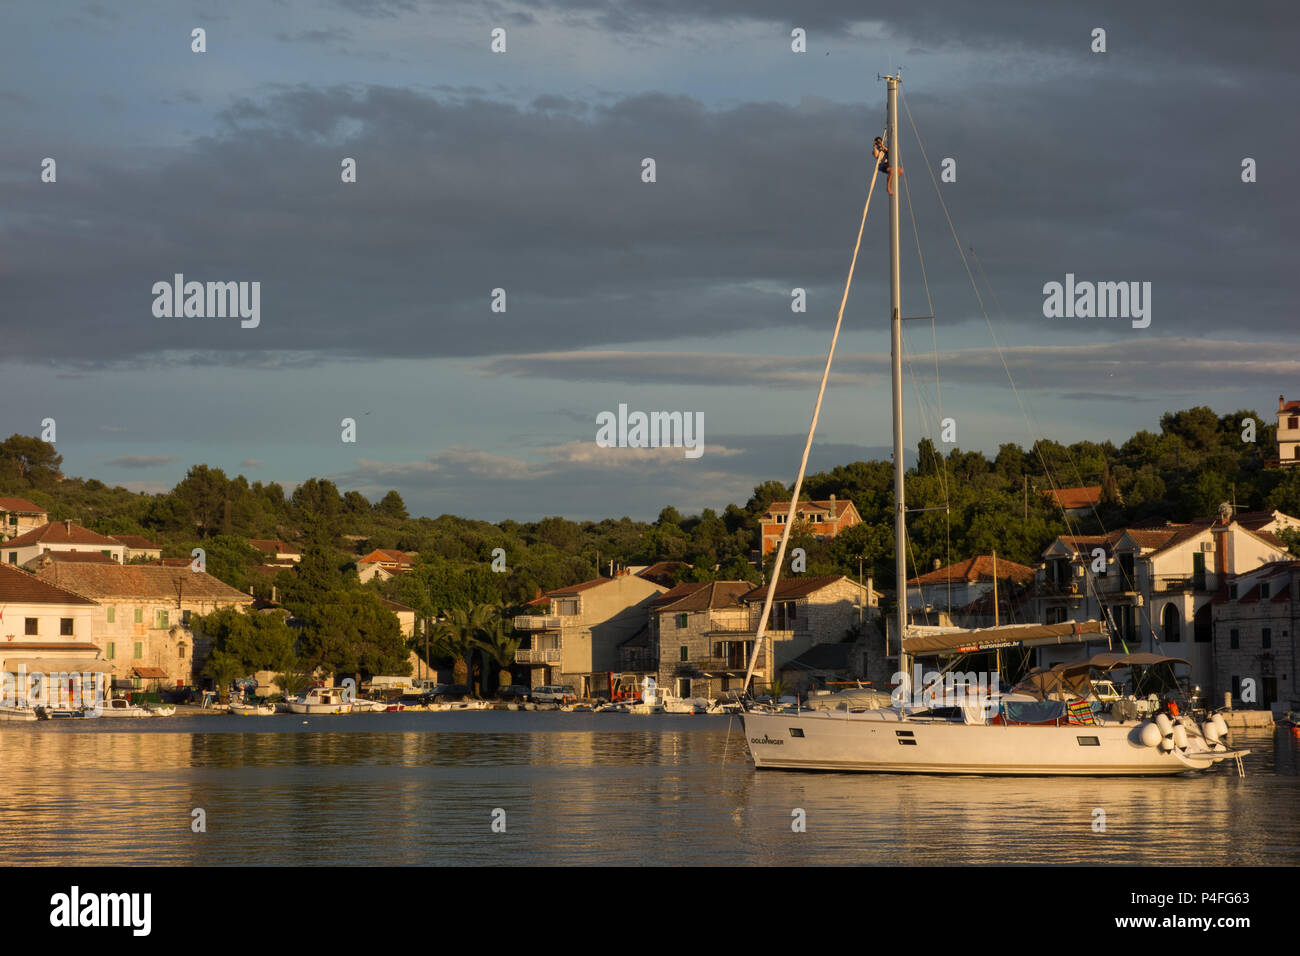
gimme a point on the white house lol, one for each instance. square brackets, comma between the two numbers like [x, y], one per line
[60, 536]
[46, 629]
[1288, 431]
[1154, 585]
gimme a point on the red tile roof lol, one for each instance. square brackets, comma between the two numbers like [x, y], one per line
[575, 588]
[978, 568]
[662, 572]
[20, 505]
[793, 587]
[386, 554]
[136, 542]
[836, 507]
[19, 587]
[706, 596]
[273, 546]
[85, 557]
[61, 532]
[141, 580]
[1070, 498]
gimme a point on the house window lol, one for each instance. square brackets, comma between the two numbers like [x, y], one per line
[139, 615]
[180, 650]
[112, 615]
[65, 627]
[1266, 638]
[139, 650]
[685, 653]
[160, 618]
[112, 650]
[29, 625]
[1126, 564]
[1234, 639]
[185, 618]
[106, 553]
[13, 557]
[1236, 687]
[1263, 590]
[1292, 422]
[681, 623]
[1056, 615]
[1232, 592]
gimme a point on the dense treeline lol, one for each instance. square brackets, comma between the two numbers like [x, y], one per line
[1195, 460]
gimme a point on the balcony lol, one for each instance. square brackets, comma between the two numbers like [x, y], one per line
[545, 655]
[1189, 582]
[534, 622]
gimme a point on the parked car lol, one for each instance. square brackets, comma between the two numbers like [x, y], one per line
[554, 694]
[447, 693]
[514, 693]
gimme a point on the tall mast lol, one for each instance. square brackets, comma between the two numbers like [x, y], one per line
[896, 328]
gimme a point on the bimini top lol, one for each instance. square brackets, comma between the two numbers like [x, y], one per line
[1074, 677]
[959, 640]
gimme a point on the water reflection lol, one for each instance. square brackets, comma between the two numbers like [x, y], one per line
[421, 789]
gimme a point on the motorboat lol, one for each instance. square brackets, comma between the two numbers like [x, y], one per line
[121, 707]
[17, 713]
[321, 700]
[251, 708]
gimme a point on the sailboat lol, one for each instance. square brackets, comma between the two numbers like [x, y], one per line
[1066, 736]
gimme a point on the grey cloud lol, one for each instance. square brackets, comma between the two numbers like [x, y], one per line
[456, 198]
[1141, 364]
[141, 461]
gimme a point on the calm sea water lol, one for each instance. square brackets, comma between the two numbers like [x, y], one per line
[422, 788]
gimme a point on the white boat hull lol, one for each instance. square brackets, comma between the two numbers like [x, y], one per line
[299, 707]
[870, 742]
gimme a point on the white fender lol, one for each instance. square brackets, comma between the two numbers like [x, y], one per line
[1150, 734]
[1165, 724]
[1210, 732]
[1180, 737]
[1220, 724]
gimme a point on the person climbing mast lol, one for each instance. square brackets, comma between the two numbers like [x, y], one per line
[881, 152]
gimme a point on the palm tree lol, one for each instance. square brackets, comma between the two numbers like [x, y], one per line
[500, 643]
[458, 634]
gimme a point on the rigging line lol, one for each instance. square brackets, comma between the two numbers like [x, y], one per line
[1089, 576]
[938, 383]
[760, 631]
[1034, 444]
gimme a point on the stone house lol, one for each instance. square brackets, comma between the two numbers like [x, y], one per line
[693, 638]
[1256, 619]
[18, 516]
[807, 611]
[142, 626]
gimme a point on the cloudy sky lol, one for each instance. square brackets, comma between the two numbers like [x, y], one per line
[521, 170]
